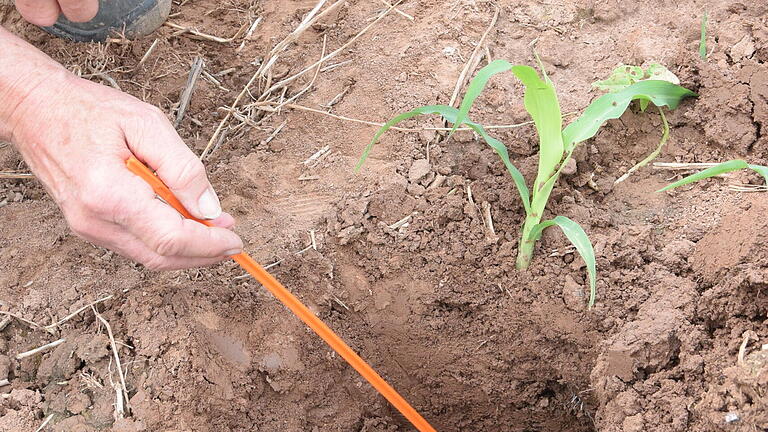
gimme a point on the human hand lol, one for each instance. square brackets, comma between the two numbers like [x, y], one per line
[76, 135]
[46, 12]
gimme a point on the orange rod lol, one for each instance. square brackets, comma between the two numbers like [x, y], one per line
[294, 304]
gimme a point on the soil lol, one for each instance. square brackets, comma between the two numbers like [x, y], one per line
[675, 342]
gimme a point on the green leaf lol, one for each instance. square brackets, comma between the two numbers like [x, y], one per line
[501, 150]
[725, 167]
[429, 109]
[541, 102]
[450, 114]
[612, 106]
[762, 170]
[656, 71]
[621, 77]
[626, 75]
[580, 240]
[703, 39]
[476, 87]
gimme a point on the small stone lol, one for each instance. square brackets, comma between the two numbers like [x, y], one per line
[419, 169]
[634, 423]
[449, 51]
[416, 189]
[427, 135]
[573, 294]
[570, 167]
[743, 48]
[5, 366]
[732, 417]
[78, 403]
[402, 77]
[277, 146]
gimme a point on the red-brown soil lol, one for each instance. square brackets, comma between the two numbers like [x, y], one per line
[436, 306]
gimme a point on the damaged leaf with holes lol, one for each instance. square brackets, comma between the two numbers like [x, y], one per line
[627, 75]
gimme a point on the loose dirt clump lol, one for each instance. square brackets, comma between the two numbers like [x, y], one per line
[399, 259]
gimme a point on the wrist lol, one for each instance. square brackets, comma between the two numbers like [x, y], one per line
[27, 78]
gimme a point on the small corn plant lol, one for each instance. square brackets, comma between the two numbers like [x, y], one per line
[556, 145]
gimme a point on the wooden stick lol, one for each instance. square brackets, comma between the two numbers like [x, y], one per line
[388, 4]
[39, 350]
[248, 34]
[45, 422]
[148, 53]
[314, 78]
[741, 187]
[264, 106]
[205, 36]
[274, 133]
[471, 61]
[306, 23]
[488, 219]
[186, 95]
[24, 320]
[335, 65]
[115, 353]
[675, 166]
[53, 326]
[15, 175]
[317, 155]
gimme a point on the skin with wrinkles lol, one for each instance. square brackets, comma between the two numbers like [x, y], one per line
[75, 136]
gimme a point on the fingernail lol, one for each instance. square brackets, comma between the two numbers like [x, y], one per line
[232, 252]
[209, 205]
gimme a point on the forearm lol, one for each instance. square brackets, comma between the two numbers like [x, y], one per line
[23, 71]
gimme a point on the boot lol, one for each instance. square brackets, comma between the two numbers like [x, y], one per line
[134, 18]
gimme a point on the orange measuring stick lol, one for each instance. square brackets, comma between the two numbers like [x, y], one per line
[294, 304]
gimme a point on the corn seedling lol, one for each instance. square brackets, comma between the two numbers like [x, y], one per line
[703, 39]
[725, 167]
[556, 145]
[623, 77]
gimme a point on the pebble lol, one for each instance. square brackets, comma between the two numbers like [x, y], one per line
[419, 169]
[570, 167]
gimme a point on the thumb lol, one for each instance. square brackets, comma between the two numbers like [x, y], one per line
[152, 139]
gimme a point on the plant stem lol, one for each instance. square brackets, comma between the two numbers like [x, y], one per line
[542, 188]
[525, 250]
[655, 153]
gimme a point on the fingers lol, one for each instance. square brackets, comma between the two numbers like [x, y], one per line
[224, 221]
[132, 248]
[39, 12]
[139, 252]
[153, 139]
[79, 10]
[166, 233]
[126, 217]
